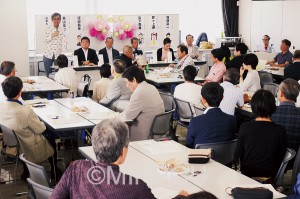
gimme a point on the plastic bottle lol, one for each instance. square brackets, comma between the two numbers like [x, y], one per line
[72, 99]
[147, 69]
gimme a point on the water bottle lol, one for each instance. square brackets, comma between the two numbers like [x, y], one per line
[72, 99]
[272, 48]
[147, 69]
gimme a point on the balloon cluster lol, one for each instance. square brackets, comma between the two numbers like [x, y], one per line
[99, 28]
[124, 29]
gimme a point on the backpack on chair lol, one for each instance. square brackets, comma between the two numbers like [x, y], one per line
[83, 86]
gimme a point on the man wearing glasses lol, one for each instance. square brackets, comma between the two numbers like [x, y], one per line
[55, 42]
[266, 45]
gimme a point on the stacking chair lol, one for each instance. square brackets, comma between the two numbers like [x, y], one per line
[161, 124]
[168, 101]
[198, 111]
[272, 87]
[296, 168]
[10, 139]
[184, 111]
[41, 68]
[83, 86]
[39, 191]
[222, 152]
[265, 77]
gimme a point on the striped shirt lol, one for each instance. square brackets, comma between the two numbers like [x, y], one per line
[233, 96]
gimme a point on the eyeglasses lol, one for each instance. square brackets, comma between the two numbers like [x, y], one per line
[56, 19]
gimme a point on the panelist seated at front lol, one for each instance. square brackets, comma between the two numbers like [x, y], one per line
[184, 58]
[283, 58]
[108, 52]
[86, 56]
[265, 47]
[162, 53]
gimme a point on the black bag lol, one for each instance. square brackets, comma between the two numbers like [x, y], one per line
[251, 193]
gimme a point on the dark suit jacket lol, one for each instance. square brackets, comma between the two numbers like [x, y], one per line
[292, 71]
[214, 126]
[137, 52]
[126, 59]
[103, 51]
[159, 54]
[92, 56]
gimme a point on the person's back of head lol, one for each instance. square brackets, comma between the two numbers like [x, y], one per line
[296, 55]
[12, 86]
[119, 66]
[263, 104]
[227, 53]
[218, 54]
[7, 68]
[189, 73]
[201, 195]
[251, 59]
[290, 89]
[134, 72]
[242, 48]
[105, 71]
[62, 61]
[232, 75]
[212, 92]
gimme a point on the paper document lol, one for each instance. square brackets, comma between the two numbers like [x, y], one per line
[161, 147]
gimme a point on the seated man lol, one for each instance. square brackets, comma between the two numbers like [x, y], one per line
[233, 95]
[118, 94]
[86, 55]
[265, 47]
[7, 70]
[193, 50]
[285, 57]
[184, 58]
[101, 87]
[109, 53]
[145, 103]
[127, 56]
[214, 125]
[293, 70]
[27, 126]
[135, 45]
[287, 114]
[189, 91]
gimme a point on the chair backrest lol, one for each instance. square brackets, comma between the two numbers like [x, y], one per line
[272, 87]
[37, 173]
[296, 168]
[161, 124]
[9, 137]
[222, 152]
[265, 77]
[83, 86]
[290, 154]
[198, 111]
[168, 101]
[39, 191]
[184, 109]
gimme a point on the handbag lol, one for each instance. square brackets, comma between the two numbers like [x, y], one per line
[251, 193]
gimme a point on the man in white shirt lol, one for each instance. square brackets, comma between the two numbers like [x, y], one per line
[192, 49]
[7, 70]
[233, 95]
[184, 58]
[109, 53]
[265, 47]
[85, 55]
[55, 42]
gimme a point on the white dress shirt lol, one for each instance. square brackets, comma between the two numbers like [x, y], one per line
[185, 61]
[85, 54]
[233, 96]
[193, 50]
[2, 96]
[67, 77]
[251, 83]
[189, 92]
[110, 55]
[54, 45]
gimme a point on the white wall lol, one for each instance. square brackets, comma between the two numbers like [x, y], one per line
[14, 38]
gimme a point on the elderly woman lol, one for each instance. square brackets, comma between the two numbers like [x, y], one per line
[261, 144]
[162, 53]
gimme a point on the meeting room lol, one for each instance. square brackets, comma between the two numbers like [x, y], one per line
[152, 99]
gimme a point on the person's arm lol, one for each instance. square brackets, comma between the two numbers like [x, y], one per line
[48, 35]
[271, 62]
[240, 102]
[34, 123]
[94, 58]
[63, 42]
[133, 109]
[247, 83]
[114, 92]
[190, 137]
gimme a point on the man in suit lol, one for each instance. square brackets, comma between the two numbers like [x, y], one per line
[127, 55]
[86, 55]
[214, 125]
[135, 45]
[145, 103]
[287, 114]
[109, 53]
[293, 70]
[118, 94]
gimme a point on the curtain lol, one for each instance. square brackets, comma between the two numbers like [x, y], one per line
[230, 17]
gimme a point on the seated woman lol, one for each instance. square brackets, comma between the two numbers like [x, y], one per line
[110, 139]
[218, 69]
[101, 87]
[66, 75]
[162, 53]
[262, 144]
[252, 81]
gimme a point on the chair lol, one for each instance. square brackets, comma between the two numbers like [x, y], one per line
[83, 86]
[41, 67]
[37, 173]
[39, 191]
[290, 154]
[168, 101]
[184, 111]
[222, 152]
[296, 168]
[198, 111]
[10, 139]
[161, 124]
[272, 87]
[265, 77]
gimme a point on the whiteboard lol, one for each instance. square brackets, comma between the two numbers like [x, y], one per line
[77, 26]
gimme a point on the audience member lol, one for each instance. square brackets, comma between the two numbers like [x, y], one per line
[218, 69]
[193, 50]
[118, 94]
[261, 144]
[283, 58]
[184, 58]
[214, 125]
[66, 75]
[239, 53]
[162, 53]
[293, 70]
[86, 56]
[233, 95]
[108, 52]
[127, 56]
[7, 69]
[141, 62]
[145, 103]
[135, 46]
[227, 54]
[101, 87]
[252, 80]
[266, 45]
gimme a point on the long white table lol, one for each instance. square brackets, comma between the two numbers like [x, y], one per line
[274, 72]
[214, 177]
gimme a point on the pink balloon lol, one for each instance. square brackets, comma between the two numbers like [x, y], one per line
[100, 36]
[129, 34]
[134, 27]
[93, 32]
[121, 31]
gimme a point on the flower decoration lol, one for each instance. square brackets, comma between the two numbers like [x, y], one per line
[99, 28]
[124, 29]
